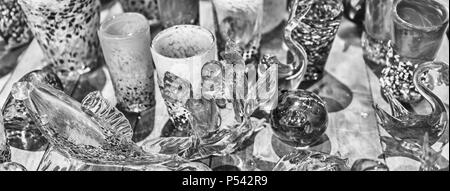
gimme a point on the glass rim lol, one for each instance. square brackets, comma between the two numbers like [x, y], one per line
[434, 27]
[173, 28]
[327, 19]
[139, 18]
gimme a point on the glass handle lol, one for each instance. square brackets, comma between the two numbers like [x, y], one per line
[300, 57]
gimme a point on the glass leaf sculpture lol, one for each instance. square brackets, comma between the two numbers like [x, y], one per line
[89, 136]
[407, 128]
[306, 160]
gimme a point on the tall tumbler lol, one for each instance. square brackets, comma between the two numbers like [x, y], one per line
[178, 12]
[179, 53]
[418, 29]
[377, 27]
[241, 22]
[125, 40]
[320, 20]
[66, 32]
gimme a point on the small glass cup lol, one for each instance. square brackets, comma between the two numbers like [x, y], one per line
[125, 40]
[179, 54]
[319, 23]
[418, 29]
[178, 12]
[377, 25]
[241, 22]
[66, 32]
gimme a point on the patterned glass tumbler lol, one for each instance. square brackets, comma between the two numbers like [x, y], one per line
[66, 32]
[319, 23]
[125, 40]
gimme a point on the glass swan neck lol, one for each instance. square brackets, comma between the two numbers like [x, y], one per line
[438, 107]
[298, 51]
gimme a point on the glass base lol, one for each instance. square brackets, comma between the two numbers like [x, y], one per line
[142, 123]
[282, 148]
[374, 53]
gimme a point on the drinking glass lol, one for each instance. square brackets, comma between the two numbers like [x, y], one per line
[179, 54]
[66, 32]
[125, 40]
[241, 22]
[320, 20]
[148, 8]
[178, 12]
[377, 33]
[299, 119]
[418, 29]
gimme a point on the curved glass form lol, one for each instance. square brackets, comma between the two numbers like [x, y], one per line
[300, 118]
[412, 132]
[305, 160]
[85, 135]
[21, 131]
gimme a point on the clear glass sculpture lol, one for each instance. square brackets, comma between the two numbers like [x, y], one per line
[11, 166]
[300, 118]
[408, 128]
[292, 73]
[305, 160]
[319, 23]
[21, 131]
[88, 135]
[66, 32]
[369, 165]
[125, 40]
[211, 101]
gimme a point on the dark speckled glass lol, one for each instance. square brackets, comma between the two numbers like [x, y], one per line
[125, 40]
[66, 32]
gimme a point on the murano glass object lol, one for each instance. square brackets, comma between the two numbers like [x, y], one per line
[418, 29]
[377, 32]
[300, 118]
[125, 40]
[241, 22]
[92, 135]
[319, 23]
[408, 128]
[66, 32]
[21, 131]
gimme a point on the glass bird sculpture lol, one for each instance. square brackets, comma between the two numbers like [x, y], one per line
[407, 128]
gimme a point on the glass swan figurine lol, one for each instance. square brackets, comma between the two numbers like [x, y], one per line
[407, 128]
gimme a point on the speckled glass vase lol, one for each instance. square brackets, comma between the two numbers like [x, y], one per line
[125, 41]
[66, 32]
[319, 23]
